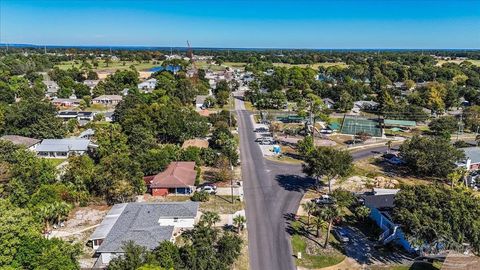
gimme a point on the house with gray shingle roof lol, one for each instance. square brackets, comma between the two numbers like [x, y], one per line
[29, 143]
[146, 224]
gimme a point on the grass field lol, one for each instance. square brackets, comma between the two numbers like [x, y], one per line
[114, 65]
[441, 62]
[313, 66]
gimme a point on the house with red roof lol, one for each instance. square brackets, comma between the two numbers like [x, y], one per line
[178, 178]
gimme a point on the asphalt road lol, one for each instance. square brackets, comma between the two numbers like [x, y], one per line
[272, 192]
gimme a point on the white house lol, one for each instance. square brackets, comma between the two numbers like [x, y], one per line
[91, 83]
[146, 224]
[63, 148]
[109, 100]
[148, 85]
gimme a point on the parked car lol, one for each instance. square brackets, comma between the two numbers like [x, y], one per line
[324, 199]
[210, 189]
[261, 129]
[267, 141]
[395, 161]
[341, 235]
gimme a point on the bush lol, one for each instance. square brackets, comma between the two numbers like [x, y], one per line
[201, 196]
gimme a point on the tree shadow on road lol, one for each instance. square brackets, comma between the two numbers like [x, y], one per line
[292, 182]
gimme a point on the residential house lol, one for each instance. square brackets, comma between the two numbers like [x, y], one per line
[381, 203]
[108, 100]
[91, 83]
[82, 117]
[29, 143]
[87, 134]
[178, 178]
[66, 102]
[148, 85]
[199, 143]
[52, 88]
[330, 104]
[146, 224]
[67, 115]
[364, 105]
[472, 162]
[85, 117]
[108, 116]
[63, 148]
[200, 101]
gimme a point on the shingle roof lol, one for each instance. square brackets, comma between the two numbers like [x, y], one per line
[20, 140]
[63, 145]
[109, 97]
[177, 175]
[139, 222]
[380, 201]
[200, 99]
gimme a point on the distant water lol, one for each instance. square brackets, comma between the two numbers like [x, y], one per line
[168, 68]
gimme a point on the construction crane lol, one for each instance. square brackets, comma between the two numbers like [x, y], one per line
[192, 60]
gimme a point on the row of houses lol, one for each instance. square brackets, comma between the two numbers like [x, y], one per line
[106, 100]
[84, 117]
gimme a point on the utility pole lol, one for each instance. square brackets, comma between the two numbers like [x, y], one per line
[230, 126]
[312, 121]
[460, 123]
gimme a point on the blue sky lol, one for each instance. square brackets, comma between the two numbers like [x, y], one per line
[260, 23]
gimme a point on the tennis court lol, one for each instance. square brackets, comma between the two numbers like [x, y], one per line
[354, 125]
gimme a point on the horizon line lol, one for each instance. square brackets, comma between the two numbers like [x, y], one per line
[28, 45]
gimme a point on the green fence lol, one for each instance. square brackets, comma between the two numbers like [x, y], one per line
[354, 125]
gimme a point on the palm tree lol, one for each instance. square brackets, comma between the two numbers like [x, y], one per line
[389, 146]
[362, 212]
[329, 213]
[319, 223]
[210, 218]
[239, 222]
[309, 207]
[45, 213]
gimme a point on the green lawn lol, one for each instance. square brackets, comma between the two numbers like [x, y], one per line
[220, 204]
[313, 261]
[323, 257]
[114, 65]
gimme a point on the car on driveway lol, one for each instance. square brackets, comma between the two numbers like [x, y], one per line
[267, 141]
[324, 199]
[210, 189]
[341, 235]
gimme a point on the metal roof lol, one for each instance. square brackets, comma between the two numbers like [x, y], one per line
[473, 153]
[139, 222]
[63, 145]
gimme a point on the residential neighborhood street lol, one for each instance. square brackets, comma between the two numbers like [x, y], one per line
[272, 191]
